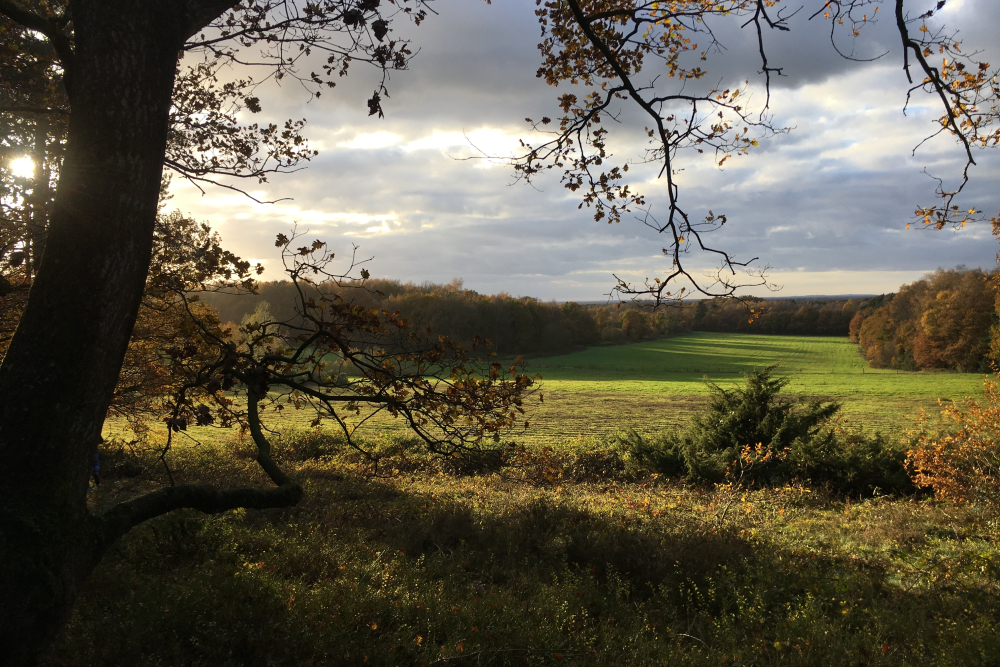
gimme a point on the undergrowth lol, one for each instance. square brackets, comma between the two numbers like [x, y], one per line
[569, 556]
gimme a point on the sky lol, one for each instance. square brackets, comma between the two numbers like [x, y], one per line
[824, 206]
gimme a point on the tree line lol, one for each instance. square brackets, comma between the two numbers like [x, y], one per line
[945, 320]
[525, 325]
[788, 317]
[942, 321]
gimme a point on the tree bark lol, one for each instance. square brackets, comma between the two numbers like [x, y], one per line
[38, 217]
[57, 378]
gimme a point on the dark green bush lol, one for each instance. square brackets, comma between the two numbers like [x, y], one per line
[852, 464]
[787, 440]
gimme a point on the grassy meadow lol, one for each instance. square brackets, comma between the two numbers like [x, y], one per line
[572, 556]
[660, 384]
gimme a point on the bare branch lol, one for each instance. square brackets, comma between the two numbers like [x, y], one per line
[605, 51]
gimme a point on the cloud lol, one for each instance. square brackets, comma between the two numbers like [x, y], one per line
[371, 140]
[831, 197]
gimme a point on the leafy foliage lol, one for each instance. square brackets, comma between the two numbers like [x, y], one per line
[514, 325]
[941, 321]
[349, 363]
[959, 457]
[207, 137]
[188, 262]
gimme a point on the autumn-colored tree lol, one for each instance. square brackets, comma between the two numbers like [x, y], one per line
[188, 262]
[954, 327]
[879, 340]
[959, 458]
[854, 328]
[348, 362]
[635, 324]
[941, 321]
[995, 328]
[582, 325]
[459, 313]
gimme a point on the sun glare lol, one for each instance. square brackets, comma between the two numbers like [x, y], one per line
[23, 167]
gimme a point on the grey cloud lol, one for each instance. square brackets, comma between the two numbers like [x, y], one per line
[476, 69]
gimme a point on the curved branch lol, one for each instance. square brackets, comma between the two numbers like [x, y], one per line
[276, 474]
[195, 180]
[933, 77]
[204, 497]
[60, 42]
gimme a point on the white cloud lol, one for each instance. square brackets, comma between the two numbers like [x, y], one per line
[371, 141]
[486, 143]
[831, 197]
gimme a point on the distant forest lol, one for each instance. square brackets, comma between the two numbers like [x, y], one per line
[942, 321]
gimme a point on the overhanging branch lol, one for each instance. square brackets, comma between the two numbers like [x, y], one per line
[60, 42]
[204, 497]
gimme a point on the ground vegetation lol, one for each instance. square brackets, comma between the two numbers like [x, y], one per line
[957, 455]
[749, 435]
[587, 565]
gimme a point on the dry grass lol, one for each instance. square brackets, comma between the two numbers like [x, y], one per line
[545, 563]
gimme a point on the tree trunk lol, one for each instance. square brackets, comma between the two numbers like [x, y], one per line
[38, 216]
[57, 378]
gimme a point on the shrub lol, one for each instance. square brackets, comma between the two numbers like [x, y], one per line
[959, 460]
[748, 415]
[790, 441]
[851, 464]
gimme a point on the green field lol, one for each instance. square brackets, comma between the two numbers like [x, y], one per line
[569, 556]
[661, 383]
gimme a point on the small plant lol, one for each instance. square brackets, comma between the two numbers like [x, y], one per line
[740, 472]
[960, 461]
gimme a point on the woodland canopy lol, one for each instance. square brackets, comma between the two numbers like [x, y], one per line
[942, 321]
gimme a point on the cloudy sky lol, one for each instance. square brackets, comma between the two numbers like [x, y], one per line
[825, 206]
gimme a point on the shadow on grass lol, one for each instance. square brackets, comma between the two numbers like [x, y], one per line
[371, 572]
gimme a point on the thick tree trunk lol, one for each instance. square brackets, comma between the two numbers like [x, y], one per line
[59, 373]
